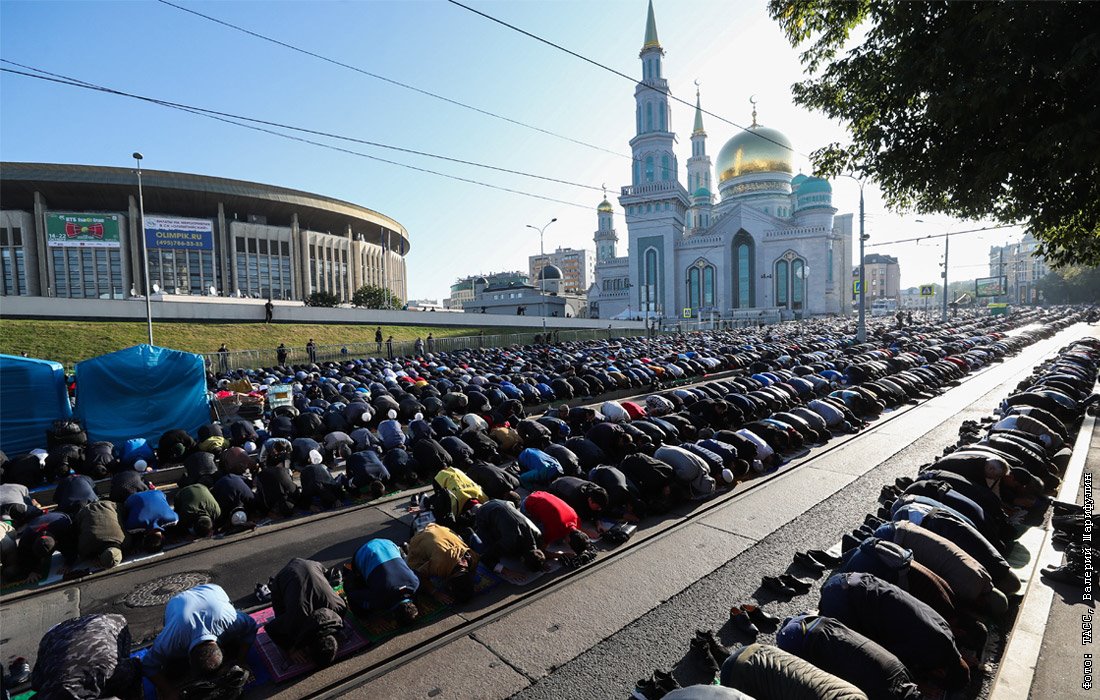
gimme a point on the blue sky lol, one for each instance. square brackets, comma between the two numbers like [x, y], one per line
[732, 48]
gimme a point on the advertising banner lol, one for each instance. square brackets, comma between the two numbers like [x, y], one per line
[990, 286]
[82, 230]
[174, 233]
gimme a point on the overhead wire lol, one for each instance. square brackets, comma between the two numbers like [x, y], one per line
[942, 235]
[620, 74]
[251, 123]
[391, 81]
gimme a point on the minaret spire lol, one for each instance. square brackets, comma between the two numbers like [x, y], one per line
[651, 41]
[698, 112]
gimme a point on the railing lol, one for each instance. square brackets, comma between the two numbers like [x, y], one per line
[268, 357]
[653, 187]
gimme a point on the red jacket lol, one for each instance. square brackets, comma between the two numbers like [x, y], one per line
[555, 517]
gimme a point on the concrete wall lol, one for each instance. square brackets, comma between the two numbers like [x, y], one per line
[221, 309]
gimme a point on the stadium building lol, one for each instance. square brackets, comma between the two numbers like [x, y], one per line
[73, 231]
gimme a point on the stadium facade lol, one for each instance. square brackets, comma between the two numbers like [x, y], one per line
[74, 231]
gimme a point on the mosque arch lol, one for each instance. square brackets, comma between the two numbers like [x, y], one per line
[700, 284]
[790, 273]
[744, 270]
[650, 291]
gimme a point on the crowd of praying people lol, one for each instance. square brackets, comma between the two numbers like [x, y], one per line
[510, 490]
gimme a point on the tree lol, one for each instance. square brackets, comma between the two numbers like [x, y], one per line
[373, 297]
[327, 299]
[972, 109]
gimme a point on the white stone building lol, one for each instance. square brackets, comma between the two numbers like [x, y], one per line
[770, 240]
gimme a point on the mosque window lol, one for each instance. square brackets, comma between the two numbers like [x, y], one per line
[649, 169]
[694, 283]
[708, 285]
[781, 283]
[661, 109]
[650, 291]
[829, 273]
[665, 173]
[637, 171]
[648, 116]
[744, 252]
[798, 282]
[638, 118]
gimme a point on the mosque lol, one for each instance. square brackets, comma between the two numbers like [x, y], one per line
[770, 243]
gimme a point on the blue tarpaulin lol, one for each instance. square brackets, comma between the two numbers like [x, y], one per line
[141, 392]
[32, 397]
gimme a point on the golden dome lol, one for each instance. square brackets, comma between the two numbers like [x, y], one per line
[755, 150]
[605, 206]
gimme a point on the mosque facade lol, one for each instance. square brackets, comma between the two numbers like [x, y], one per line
[767, 240]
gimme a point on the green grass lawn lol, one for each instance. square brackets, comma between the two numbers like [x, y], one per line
[69, 342]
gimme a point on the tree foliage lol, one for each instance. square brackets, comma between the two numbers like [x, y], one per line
[373, 297]
[1071, 285]
[972, 109]
[326, 299]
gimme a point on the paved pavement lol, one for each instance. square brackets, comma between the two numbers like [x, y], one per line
[601, 629]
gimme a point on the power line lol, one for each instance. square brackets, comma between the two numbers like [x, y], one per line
[619, 73]
[943, 235]
[391, 81]
[231, 119]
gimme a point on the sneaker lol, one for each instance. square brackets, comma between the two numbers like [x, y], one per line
[1067, 573]
[701, 649]
[19, 672]
[884, 513]
[802, 585]
[717, 650]
[775, 584]
[741, 622]
[872, 521]
[760, 616]
[824, 557]
[646, 689]
[805, 560]
[849, 542]
[665, 681]
[263, 593]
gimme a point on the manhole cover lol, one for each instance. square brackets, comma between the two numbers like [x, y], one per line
[158, 591]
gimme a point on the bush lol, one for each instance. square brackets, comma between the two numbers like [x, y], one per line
[373, 297]
[326, 299]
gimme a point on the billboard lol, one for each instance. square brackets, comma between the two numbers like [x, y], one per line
[174, 233]
[990, 286]
[65, 230]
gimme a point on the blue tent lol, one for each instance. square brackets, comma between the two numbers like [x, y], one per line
[143, 391]
[32, 397]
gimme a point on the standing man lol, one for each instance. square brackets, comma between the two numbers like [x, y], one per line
[311, 350]
[389, 347]
[418, 346]
[378, 337]
[223, 358]
[281, 353]
[269, 310]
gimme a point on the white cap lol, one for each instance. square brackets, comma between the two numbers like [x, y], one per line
[314, 457]
[727, 476]
[140, 465]
[249, 447]
[392, 414]
[238, 517]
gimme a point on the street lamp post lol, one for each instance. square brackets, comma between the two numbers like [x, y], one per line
[861, 332]
[542, 276]
[144, 250]
[946, 248]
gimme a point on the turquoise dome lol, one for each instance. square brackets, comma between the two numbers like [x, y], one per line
[797, 180]
[702, 192]
[813, 185]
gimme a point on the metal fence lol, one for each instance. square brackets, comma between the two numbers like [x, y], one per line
[268, 357]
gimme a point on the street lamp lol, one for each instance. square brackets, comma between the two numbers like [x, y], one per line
[946, 246]
[144, 250]
[861, 332]
[542, 253]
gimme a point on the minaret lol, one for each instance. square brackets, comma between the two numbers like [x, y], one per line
[654, 158]
[698, 171]
[605, 237]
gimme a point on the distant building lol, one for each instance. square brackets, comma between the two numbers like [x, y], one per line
[463, 290]
[578, 267]
[510, 297]
[882, 275]
[425, 305]
[1022, 265]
